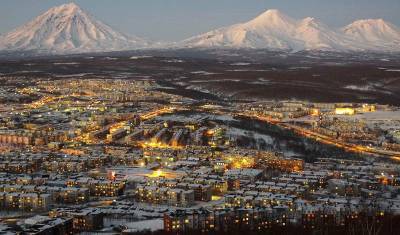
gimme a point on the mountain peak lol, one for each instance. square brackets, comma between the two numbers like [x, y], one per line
[70, 5]
[308, 20]
[66, 11]
[67, 29]
[312, 22]
[374, 32]
[273, 19]
[67, 8]
[369, 22]
[272, 14]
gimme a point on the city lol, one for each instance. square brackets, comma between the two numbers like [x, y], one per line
[221, 118]
[118, 155]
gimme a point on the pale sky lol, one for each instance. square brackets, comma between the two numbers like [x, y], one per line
[172, 20]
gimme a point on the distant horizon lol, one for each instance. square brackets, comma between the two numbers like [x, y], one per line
[176, 20]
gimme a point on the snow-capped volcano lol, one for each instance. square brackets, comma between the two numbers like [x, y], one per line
[274, 30]
[67, 29]
[254, 34]
[375, 33]
[315, 35]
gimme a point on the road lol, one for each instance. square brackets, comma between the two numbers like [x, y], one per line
[328, 140]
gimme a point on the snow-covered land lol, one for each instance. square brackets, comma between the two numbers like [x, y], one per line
[375, 33]
[68, 29]
[274, 30]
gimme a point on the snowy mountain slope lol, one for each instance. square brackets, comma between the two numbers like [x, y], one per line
[277, 34]
[67, 29]
[315, 35]
[274, 30]
[375, 34]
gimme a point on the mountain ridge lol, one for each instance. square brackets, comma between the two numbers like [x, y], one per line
[274, 30]
[67, 29]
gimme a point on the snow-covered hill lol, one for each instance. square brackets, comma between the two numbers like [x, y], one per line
[276, 31]
[375, 34]
[67, 29]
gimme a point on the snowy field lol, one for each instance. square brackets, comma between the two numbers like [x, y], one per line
[151, 225]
